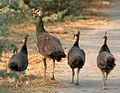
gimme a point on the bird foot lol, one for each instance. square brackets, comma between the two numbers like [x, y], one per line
[52, 78]
[104, 88]
[77, 83]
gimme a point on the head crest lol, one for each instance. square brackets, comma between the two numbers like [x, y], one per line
[77, 34]
[26, 35]
[25, 38]
[105, 37]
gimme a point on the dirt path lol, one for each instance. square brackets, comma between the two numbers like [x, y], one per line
[92, 32]
[90, 76]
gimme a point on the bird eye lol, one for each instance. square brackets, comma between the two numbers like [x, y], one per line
[37, 10]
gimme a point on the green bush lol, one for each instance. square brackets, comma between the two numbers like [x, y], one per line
[5, 46]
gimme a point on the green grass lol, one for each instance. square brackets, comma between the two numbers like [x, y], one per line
[17, 75]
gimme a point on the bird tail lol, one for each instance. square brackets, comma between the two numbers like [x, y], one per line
[13, 66]
[111, 63]
[57, 55]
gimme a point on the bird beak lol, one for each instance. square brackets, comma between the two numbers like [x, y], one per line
[34, 14]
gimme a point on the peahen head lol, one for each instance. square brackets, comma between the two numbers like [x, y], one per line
[77, 40]
[40, 24]
[38, 13]
[105, 38]
[77, 34]
[24, 47]
[25, 38]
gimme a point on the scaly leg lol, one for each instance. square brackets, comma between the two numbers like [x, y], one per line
[17, 76]
[53, 77]
[73, 73]
[77, 83]
[45, 68]
[106, 76]
[104, 79]
[19, 80]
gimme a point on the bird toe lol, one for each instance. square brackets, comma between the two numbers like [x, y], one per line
[77, 83]
[52, 78]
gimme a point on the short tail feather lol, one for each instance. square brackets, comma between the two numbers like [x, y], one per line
[78, 62]
[111, 63]
[13, 66]
[57, 55]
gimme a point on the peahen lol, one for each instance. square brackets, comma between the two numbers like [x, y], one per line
[19, 61]
[48, 45]
[105, 60]
[76, 58]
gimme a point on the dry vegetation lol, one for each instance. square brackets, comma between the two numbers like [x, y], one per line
[64, 31]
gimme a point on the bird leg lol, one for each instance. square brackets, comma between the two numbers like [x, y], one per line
[73, 73]
[106, 76]
[21, 75]
[53, 77]
[77, 83]
[104, 79]
[19, 79]
[45, 68]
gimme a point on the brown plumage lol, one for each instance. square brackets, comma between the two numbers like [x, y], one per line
[19, 61]
[105, 60]
[76, 58]
[48, 45]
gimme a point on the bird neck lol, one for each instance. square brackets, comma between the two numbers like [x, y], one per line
[24, 47]
[105, 46]
[105, 41]
[77, 42]
[40, 27]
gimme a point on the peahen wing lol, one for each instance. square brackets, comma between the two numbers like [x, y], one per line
[74, 54]
[102, 59]
[52, 44]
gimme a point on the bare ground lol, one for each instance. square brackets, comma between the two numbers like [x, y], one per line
[92, 31]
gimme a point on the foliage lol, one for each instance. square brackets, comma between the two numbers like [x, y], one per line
[3, 31]
[2, 73]
[53, 9]
[56, 17]
[12, 74]
[5, 46]
[16, 75]
[14, 11]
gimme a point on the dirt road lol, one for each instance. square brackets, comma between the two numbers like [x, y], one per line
[90, 76]
[92, 32]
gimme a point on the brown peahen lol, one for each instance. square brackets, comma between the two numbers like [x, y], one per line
[48, 45]
[105, 60]
[76, 58]
[19, 61]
